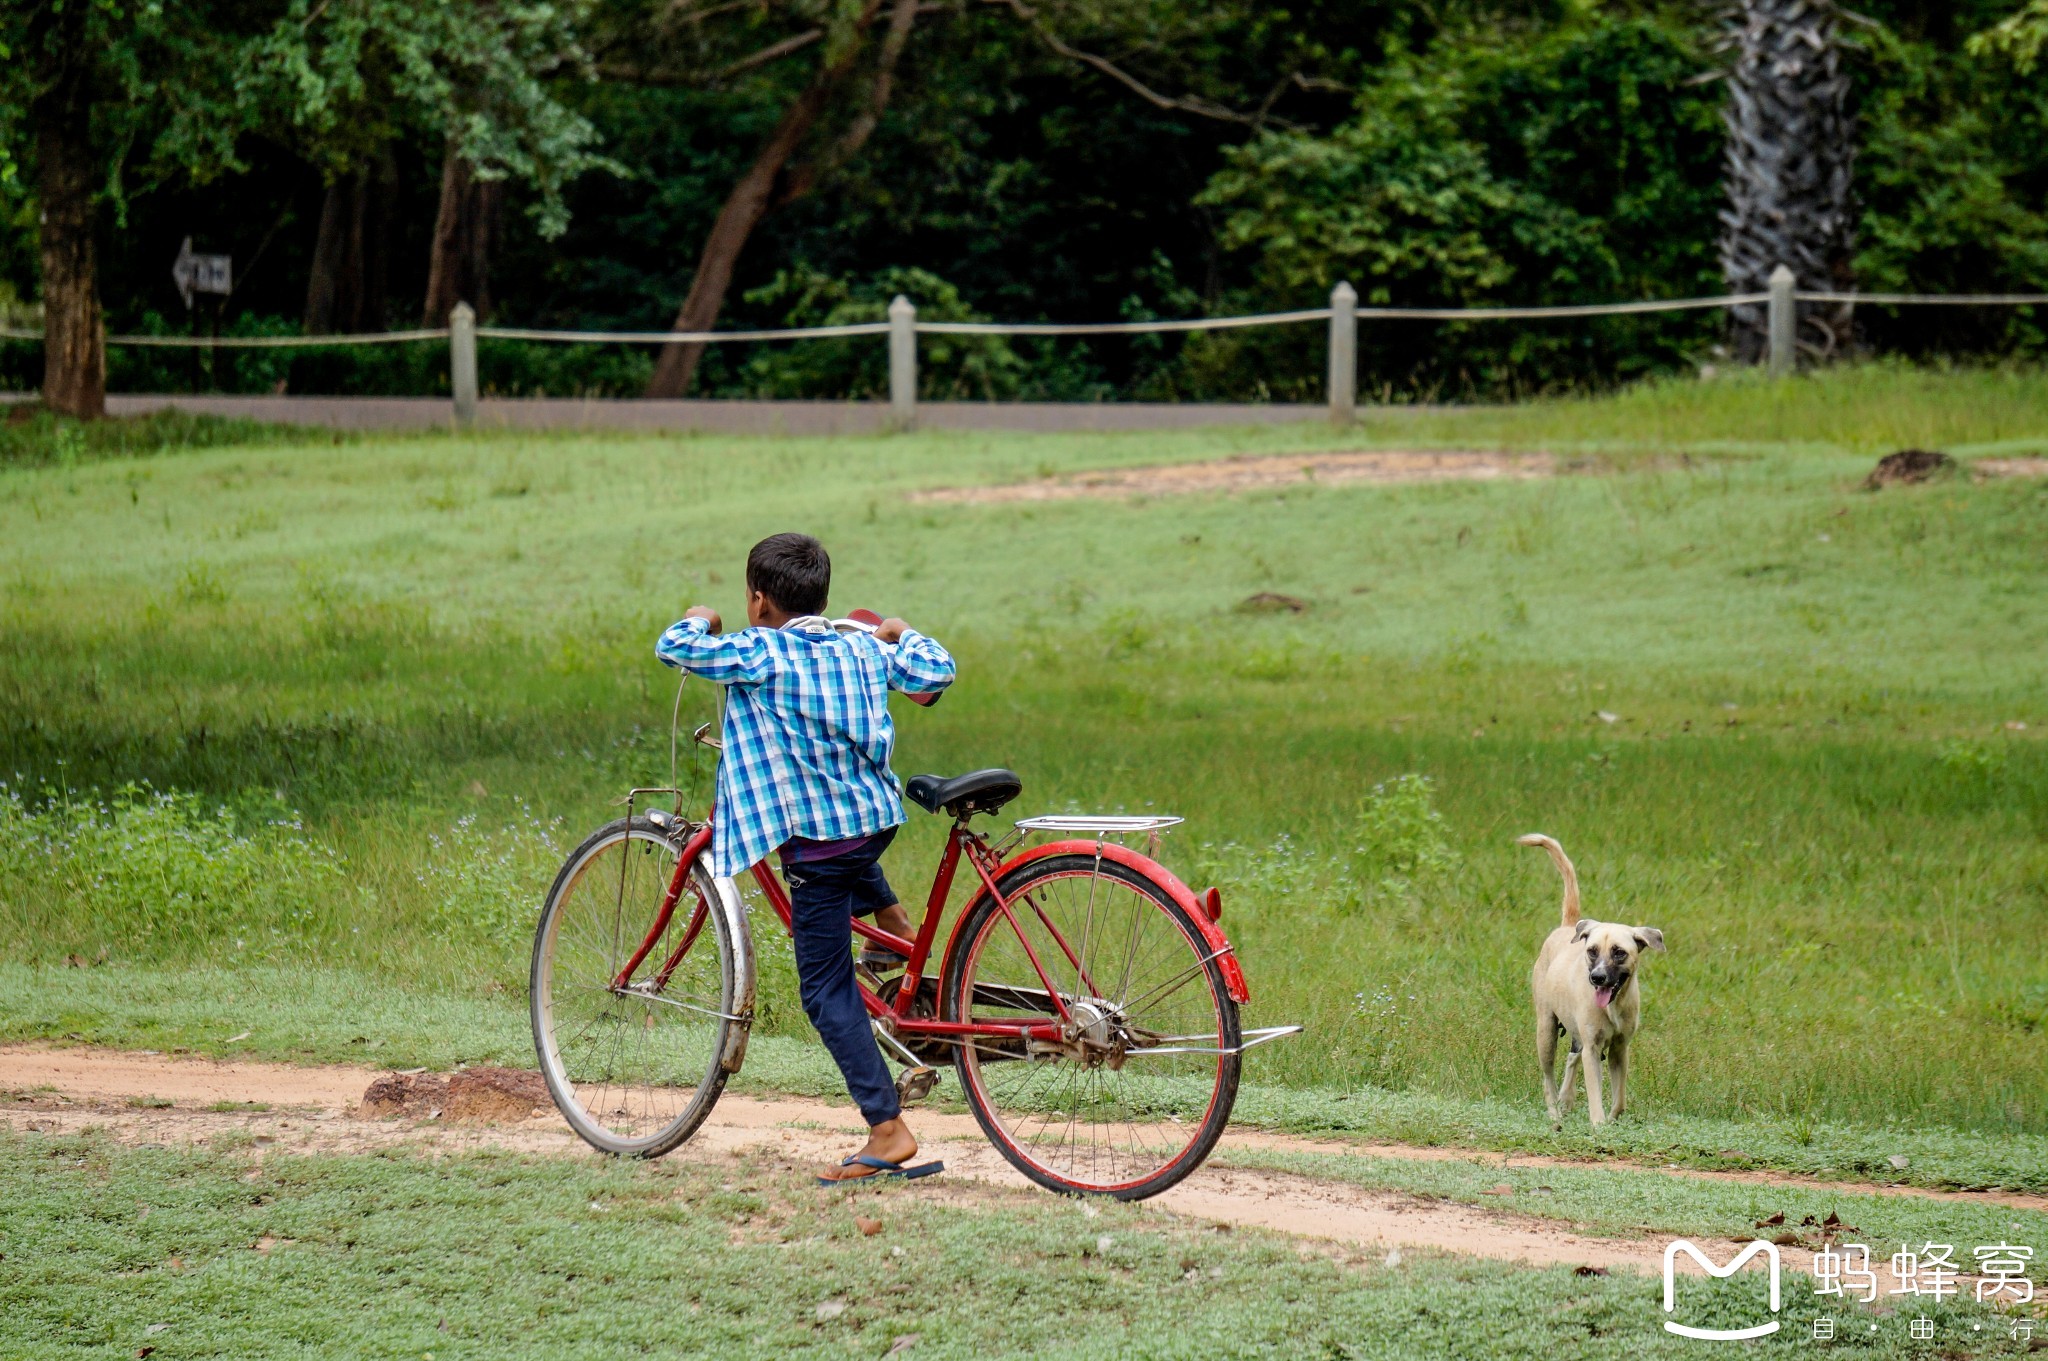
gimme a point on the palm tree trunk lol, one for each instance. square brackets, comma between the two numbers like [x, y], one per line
[1791, 151]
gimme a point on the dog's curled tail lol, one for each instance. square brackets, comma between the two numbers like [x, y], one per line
[1564, 868]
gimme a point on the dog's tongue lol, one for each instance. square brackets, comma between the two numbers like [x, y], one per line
[1603, 995]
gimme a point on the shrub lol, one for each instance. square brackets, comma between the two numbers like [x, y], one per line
[152, 872]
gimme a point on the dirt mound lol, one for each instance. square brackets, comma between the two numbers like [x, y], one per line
[1253, 472]
[478, 1096]
[1909, 466]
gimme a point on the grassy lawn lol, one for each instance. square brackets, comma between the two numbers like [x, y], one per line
[1772, 714]
[229, 1252]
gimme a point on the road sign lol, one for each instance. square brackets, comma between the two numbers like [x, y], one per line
[201, 273]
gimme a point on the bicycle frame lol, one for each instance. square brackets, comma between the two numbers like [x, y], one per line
[961, 844]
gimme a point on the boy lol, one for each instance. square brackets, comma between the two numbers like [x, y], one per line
[806, 771]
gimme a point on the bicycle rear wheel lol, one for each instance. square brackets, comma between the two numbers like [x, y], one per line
[635, 1067]
[1137, 1089]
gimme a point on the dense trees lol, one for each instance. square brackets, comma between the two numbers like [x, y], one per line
[369, 162]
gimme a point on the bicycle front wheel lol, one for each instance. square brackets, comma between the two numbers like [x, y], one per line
[634, 1061]
[1135, 1090]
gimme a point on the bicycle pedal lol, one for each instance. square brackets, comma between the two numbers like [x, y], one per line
[916, 1083]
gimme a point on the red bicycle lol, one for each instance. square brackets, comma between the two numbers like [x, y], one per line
[1085, 996]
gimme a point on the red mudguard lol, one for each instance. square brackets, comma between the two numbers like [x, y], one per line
[1212, 934]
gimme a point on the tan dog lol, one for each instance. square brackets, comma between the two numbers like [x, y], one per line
[1585, 986]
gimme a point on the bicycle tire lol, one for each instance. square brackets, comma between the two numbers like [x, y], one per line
[701, 1041]
[1004, 1106]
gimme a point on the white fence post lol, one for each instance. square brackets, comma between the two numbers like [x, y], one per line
[1343, 354]
[462, 363]
[1784, 323]
[902, 363]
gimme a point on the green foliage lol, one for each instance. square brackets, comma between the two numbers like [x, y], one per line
[1575, 163]
[347, 77]
[477, 884]
[1950, 175]
[956, 368]
[1401, 839]
[154, 874]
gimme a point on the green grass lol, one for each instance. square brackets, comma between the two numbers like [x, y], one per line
[32, 436]
[223, 1252]
[415, 670]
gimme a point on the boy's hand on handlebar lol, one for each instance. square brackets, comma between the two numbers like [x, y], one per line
[707, 614]
[890, 630]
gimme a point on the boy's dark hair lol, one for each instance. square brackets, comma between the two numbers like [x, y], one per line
[792, 570]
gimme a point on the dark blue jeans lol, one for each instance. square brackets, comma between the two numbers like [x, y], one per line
[824, 897]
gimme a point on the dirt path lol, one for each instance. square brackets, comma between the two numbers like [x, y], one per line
[1255, 472]
[150, 1099]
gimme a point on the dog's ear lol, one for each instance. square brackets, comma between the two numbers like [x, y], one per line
[1583, 927]
[1649, 938]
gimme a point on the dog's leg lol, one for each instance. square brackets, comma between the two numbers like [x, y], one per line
[1546, 1058]
[1571, 1081]
[1617, 1071]
[1590, 1061]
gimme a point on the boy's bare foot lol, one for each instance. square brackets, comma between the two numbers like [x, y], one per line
[896, 921]
[891, 1141]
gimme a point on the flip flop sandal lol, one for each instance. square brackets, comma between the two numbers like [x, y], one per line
[883, 961]
[883, 1169]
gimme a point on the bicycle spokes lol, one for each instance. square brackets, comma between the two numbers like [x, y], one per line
[1129, 1063]
[631, 1005]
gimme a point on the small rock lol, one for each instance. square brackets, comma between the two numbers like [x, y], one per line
[1606, 717]
[153, 1329]
[829, 1310]
[1900, 1161]
[1393, 1256]
[1104, 1243]
[868, 1227]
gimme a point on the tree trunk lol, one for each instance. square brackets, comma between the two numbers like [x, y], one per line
[74, 335]
[744, 208]
[465, 229]
[348, 289]
[1791, 148]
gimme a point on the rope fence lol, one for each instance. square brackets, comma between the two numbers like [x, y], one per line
[902, 328]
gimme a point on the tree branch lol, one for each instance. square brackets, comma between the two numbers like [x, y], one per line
[773, 52]
[800, 181]
[1194, 104]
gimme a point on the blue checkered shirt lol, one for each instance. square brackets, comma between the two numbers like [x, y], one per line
[807, 730]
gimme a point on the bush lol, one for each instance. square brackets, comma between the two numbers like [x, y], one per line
[152, 873]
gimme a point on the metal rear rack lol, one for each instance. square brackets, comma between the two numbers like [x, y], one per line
[1102, 824]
